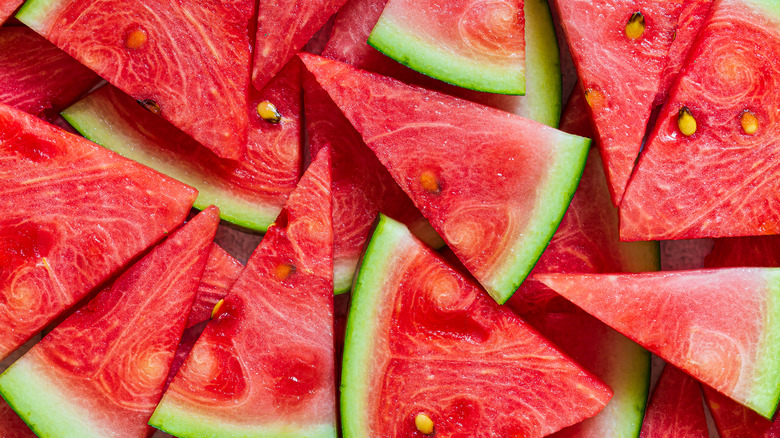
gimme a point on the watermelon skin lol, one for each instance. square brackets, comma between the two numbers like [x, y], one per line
[736, 421]
[719, 182]
[264, 366]
[413, 131]
[283, 28]
[7, 8]
[95, 375]
[74, 213]
[675, 408]
[221, 272]
[421, 339]
[206, 42]
[250, 192]
[758, 251]
[38, 76]
[542, 100]
[718, 325]
[600, 48]
[11, 426]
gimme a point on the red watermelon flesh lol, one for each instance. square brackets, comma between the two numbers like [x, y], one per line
[11, 426]
[721, 326]
[484, 210]
[101, 372]
[720, 181]
[265, 363]
[188, 63]
[620, 76]
[736, 421]
[283, 28]
[755, 251]
[7, 8]
[37, 75]
[675, 408]
[575, 118]
[222, 270]
[362, 187]
[74, 213]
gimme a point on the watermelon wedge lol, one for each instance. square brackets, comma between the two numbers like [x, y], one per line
[478, 45]
[101, 372]
[73, 214]
[675, 408]
[38, 76]
[499, 212]
[719, 181]
[736, 421]
[189, 63]
[283, 28]
[362, 187]
[721, 326]
[11, 426]
[620, 362]
[620, 49]
[425, 345]
[221, 272]
[264, 366]
[250, 192]
[7, 8]
[542, 100]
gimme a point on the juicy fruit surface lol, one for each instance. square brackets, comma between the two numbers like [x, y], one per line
[73, 214]
[7, 8]
[11, 426]
[104, 367]
[476, 44]
[622, 75]
[744, 251]
[490, 213]
[718, 181]
[719, 325]
[414, 327]
[153, 52]
[736, 421]
[264, 365]
[37, 75]
[675, 408]
[221, 272]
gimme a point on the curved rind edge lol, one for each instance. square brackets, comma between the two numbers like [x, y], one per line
[543, 101]
[635, 373]
[765, 389]
[34, 12]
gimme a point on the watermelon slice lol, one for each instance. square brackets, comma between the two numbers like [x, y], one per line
[542, 100]
[189, 63]
[720, 180]
[620, 49]
[7, 8]
[94, 375]
[264, 366]
[222, 271]
[283, 28]
[736, 421]
[675, 408]
[424, 344]
[251, 192]
[11, 426]
[73, 214]
[620, 362]
[37, 75]
[758, 251]
[496, 215]
[362, 187]
[474, 44]
[721, 326]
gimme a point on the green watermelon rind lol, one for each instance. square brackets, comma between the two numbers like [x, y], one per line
[765, 391]
[631, 382]
[117, 137]
[34, 12]
[770, 7]
[407, 48]
[182, 423]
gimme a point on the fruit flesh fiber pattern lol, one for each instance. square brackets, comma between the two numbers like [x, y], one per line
[222, 271]
[675, 408]
[7, 8]
[736, 421]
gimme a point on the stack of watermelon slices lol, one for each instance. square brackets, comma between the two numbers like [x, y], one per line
[213, 95]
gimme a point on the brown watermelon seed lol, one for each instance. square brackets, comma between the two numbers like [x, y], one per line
[284, 271]
[216, 309]
[686, 122]
[424, 424]
[749, 122]
[430, 183]
[268, 112]
[635, 27]
[595, 98]
[136, 39]
[151, 106]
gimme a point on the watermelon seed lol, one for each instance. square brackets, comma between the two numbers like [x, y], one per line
[635, 26]
[430, 183]
[216, 308]
[424, 424]
[151, 106]
[749, 122]
[268, 112]
[136, 39]
[594, 98]
[284, 271]
[686, 122]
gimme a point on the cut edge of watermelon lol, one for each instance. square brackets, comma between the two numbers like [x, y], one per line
[398, 43]
[544, 100]
[771, 7]
[33, 12]
[766, 383]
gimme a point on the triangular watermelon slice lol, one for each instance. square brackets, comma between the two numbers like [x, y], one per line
[222, 271]
[189, 63]
[73, 214]
[498, 212]
[101, 372]
[283, 28]
[620, 49]
[38, 76]
[709, 169]
[426, 347]
[675, 408]
[721, 326]
[264, 366]
[736, 421]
